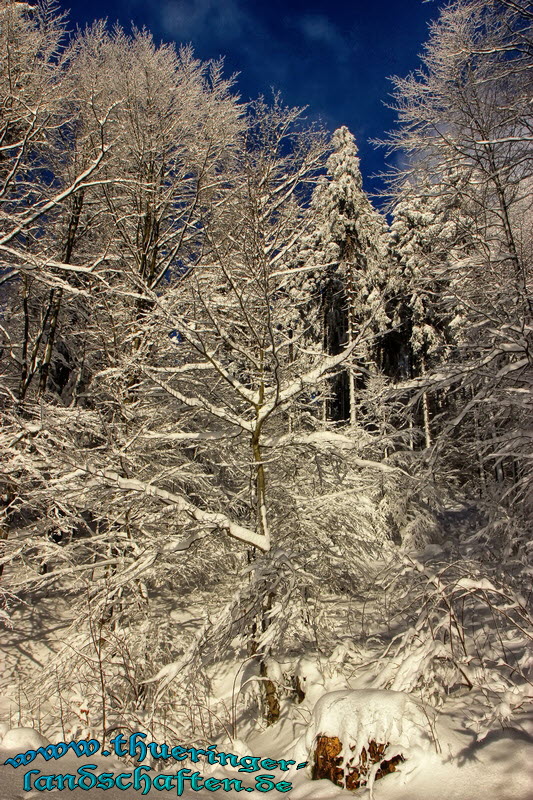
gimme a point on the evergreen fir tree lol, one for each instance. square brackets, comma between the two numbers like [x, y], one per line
[429, 224]
[348, 247]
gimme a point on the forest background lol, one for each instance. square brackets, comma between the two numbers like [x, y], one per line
[230, 384]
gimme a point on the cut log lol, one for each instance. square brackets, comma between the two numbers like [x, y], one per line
[328, 763]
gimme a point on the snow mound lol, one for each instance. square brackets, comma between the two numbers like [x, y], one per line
[237, 746]
[358, 717]
[22, 739]
[311, 678]
[4, 727]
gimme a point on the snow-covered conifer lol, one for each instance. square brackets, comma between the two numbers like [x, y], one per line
[348, 247]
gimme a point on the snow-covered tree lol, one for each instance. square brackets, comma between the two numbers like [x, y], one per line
[465, 120]
[348, 247]
[426, 231]
[56, 142]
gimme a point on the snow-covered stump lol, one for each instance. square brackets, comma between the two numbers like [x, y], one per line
[328, 762]
[356, 737]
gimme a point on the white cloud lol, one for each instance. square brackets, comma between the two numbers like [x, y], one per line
[318, 29]
[189, 19]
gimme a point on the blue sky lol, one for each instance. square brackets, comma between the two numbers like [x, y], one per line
[334, 57]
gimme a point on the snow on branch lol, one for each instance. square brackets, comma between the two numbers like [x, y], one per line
[211, 519]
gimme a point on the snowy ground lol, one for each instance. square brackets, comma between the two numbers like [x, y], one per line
[455, 767]
[499, 768]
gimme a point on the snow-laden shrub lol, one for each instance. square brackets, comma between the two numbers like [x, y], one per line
[469, 632]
